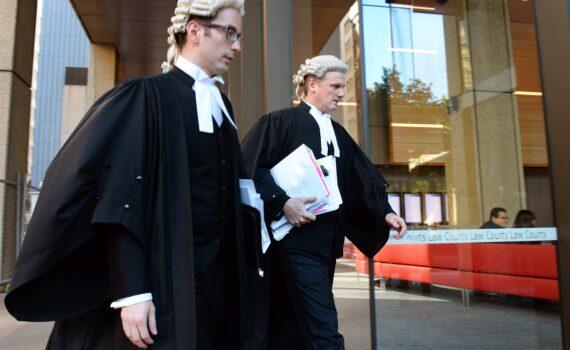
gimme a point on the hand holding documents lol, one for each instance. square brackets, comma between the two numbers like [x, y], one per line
[301, 175]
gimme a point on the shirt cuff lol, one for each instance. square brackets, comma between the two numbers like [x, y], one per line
[135, 299]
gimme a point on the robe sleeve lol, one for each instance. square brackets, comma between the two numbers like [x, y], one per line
[128, 263]
[126, 169]
[367, 205]
[262, 149]
[102, 175]
[388, 208]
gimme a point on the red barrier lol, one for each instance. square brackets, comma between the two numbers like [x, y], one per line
[520, 269]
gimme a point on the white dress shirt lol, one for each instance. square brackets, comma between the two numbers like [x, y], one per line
[326, 129]
[135, 299]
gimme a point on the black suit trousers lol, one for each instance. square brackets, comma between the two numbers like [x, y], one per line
[217, 305]
[307, 278]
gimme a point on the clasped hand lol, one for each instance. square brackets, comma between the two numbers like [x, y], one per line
[296, 213]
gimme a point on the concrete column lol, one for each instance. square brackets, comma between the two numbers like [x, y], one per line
[484, 168]
[277, 29]
[245, 79]
[17, 29]
[302, 34]
[73, 105]
[259, 81]
[553, 34]
[121, 71]
[102, 74]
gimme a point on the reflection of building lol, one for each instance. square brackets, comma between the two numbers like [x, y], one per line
[448, 99]
[350, 53]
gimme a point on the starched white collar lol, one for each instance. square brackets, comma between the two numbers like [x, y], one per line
[326, 129]
[209, 102]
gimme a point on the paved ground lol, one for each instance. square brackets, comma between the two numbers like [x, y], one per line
[21, 335]
[438, 320]
[412, 318]
[409, 318]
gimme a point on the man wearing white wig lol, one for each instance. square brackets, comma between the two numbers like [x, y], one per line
[303, 262]
[136, 240]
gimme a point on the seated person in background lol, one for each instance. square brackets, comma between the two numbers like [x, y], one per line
[499, 219]
[525, 218]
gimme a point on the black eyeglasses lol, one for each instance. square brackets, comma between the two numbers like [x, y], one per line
[231, 33]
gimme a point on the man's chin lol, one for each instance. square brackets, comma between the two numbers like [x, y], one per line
[222, 69]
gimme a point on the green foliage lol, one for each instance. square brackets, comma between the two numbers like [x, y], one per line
[392, 90]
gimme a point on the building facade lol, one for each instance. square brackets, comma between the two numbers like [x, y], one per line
[62, 43]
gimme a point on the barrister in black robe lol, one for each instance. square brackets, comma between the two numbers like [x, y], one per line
[140, 200]
[302, 310]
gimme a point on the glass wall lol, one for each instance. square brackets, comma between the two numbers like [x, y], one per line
[455, 122]
[445, 96]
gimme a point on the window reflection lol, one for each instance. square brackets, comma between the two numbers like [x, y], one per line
[476, 134]
[456, 125]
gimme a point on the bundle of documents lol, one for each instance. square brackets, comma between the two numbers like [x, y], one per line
[301, 175]
[249, 196]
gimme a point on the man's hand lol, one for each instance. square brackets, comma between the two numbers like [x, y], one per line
[294, 211]
[398, 224]
[137, 320]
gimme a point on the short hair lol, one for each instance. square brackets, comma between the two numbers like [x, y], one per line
[495, 212]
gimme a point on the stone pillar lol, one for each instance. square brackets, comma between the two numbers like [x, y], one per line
[245, 78]
[259, 80]
[17, 29]
[102, 74]
[73, 105]
[484, 168]
[277, 28]
[121, 71]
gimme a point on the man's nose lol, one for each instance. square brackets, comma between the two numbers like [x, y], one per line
[236, 45]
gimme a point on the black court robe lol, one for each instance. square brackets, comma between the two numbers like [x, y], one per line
[125, 164]
[363, 189]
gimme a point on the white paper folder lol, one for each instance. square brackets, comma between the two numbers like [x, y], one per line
[301, 175]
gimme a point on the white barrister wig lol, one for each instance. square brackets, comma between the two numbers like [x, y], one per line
[317, 66]
[186, 9]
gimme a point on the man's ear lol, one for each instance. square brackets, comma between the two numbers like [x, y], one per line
[311, 83]
[192, 32]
